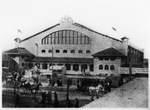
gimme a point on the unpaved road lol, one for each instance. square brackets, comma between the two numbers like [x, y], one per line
[133, 94]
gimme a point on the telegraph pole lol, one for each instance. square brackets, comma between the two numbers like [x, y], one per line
[130, 67]
[52, 61]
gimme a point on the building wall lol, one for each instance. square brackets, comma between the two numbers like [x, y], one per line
[136, 56]
[116, 63]
[98, 43]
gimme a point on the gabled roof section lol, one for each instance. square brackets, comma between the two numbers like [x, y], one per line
[84, 27]
[39, 33]
[109, 52]
[18, 51]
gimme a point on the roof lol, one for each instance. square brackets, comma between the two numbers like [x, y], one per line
[82, 26]
[62, 59]
[18, 51]
[39, 32]
[76, 24]
[109, 52]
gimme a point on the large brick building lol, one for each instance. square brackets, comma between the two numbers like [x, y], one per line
[78, 48]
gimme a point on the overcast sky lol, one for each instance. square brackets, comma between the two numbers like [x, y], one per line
[129, 17]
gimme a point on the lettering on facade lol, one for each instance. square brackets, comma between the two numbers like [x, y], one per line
[123, 70]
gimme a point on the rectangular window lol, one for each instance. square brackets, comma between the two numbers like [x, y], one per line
[73, 38]
[57, 38]
[71, 33]
[52, 38]
[83, 39]
[47, 40]
[44, 41]
[60, 36]
[64, 33]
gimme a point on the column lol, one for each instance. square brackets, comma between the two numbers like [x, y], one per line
[88, 68]
[47, 66]
[79, 67]
[71, 69]
[40, 65]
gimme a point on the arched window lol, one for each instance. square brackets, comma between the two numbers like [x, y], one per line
[44, 66]
[68, 66]
[112, 67]
[83, 67]
[106, 67]
[43, 51]
[57, 51]
[100, 67]
[91, 67]
[80, 51]
[72, 51]
[64, 51]
[66, 37]
[30, 65]
[50, 51]
[75, 67]
[88, 51]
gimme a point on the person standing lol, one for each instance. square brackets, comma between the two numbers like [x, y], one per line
[17, 100]
[76, 105]
[55, 99]
[49, 98]
[69, 104]
[92, 98]
[43, 98]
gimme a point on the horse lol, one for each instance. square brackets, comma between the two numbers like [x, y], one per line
[35, 87]
[97, 89]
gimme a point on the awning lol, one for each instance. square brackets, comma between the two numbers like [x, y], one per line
[63, 60]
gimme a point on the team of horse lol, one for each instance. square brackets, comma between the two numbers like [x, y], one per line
[102, 87]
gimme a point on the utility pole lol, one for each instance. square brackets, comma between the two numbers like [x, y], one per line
[130, 66]
[52, 66]
[37, 49]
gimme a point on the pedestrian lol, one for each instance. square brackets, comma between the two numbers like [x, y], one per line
[43, 98]
[49, 81]
[92, 98]
[76, 105]
[49, 98]
[60, 82]
[17, 100]
[55, 99]
[69, 104]
[109, 88]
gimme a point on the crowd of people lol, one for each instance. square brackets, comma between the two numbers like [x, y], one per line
[48, 99]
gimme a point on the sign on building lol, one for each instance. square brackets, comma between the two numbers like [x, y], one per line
[125, 70]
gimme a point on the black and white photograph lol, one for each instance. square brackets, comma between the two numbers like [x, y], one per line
[74, 53]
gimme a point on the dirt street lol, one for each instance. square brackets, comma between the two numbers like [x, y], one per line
[133, 94]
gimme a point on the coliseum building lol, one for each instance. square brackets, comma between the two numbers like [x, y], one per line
[76, 47]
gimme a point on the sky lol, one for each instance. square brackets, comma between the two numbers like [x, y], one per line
[130, 18]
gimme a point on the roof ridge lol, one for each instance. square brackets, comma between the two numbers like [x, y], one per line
[40, 32]
[105, 51]
[80, 25]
